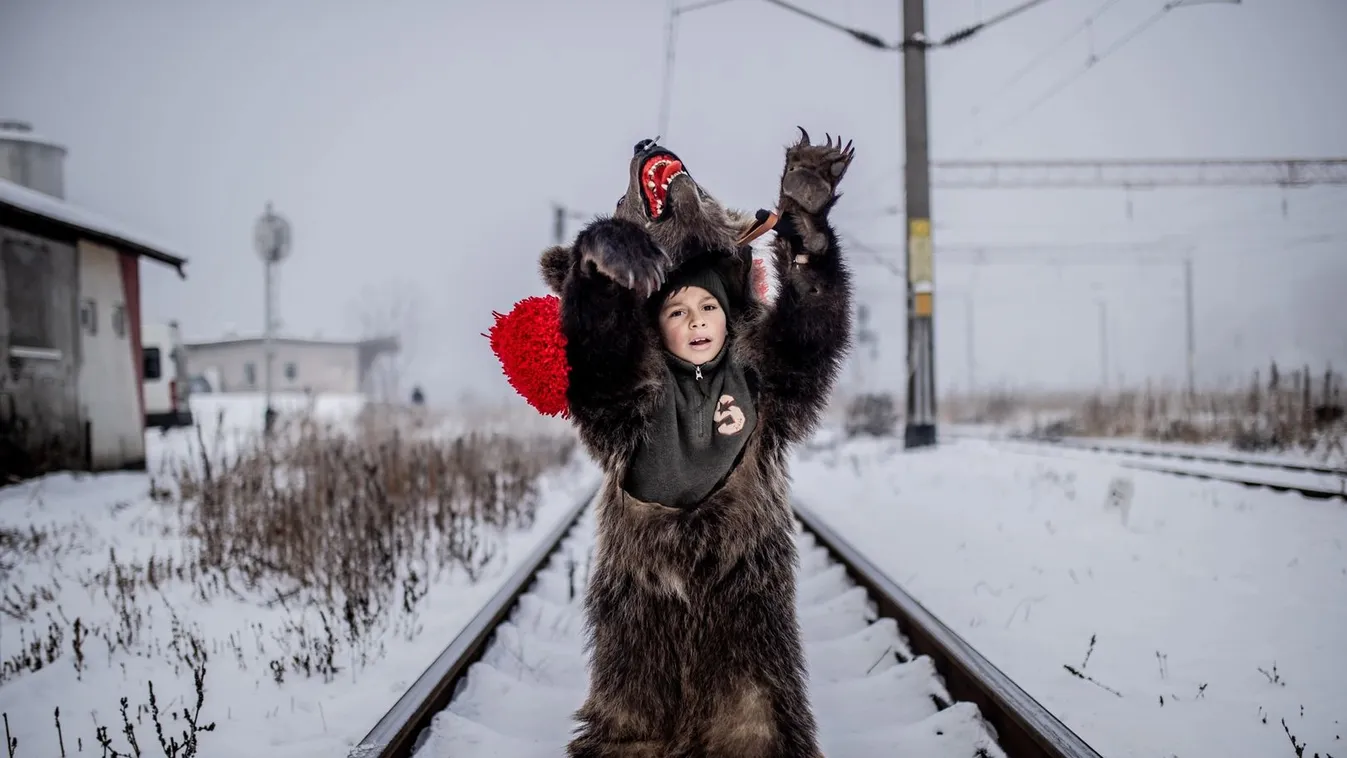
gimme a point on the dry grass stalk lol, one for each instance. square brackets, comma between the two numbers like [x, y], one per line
[1275, 411]
[348, 525]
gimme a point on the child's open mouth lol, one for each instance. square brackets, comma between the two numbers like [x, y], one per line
[656, 175]
[700, 342]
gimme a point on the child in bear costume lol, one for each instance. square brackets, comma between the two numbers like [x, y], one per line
[694, 643]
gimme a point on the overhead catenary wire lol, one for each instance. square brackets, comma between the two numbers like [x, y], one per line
[1004, 86]
[1090, 62]
[966, 32]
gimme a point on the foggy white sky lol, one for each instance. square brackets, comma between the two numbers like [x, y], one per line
[419, 145]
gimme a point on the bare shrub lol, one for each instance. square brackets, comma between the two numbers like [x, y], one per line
[338, 529]
[355, 523]
[1275, 411]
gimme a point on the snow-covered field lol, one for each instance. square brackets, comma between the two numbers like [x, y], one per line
[1203, 614]
[1189, 618]
[101, 603]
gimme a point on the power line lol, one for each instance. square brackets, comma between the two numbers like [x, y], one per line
[969, 31]
[1001, 88]
[1090, 62]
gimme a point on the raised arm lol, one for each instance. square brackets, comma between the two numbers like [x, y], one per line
[805, 335]
[611, 347]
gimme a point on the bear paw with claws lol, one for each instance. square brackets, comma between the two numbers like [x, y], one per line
[813, 173]
[623, 252]
[809, 185]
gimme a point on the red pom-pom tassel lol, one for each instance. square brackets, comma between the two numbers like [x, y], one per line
[532, 352]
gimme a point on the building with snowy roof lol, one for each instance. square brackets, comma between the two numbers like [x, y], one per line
[71, 393]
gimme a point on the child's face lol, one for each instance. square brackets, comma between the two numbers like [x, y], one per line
[692, 324]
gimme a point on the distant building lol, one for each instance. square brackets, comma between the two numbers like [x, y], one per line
[237, 364]
[70, 386]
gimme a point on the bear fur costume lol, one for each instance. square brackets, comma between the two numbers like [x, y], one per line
[693, 637]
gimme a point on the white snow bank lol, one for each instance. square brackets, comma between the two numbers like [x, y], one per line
[1216, 611]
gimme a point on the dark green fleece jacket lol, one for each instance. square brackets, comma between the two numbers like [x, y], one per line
[699, 430]
[696, 435]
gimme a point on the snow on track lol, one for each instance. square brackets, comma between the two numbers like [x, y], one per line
[1311, 483]
[871, 696]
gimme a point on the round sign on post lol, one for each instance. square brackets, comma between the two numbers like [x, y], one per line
[271, 236]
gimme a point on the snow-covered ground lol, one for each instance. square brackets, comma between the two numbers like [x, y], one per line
[79, 549]
[1204, 614]
[1195, 617]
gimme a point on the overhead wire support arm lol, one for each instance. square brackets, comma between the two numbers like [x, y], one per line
[1011, 174]
[965, 33]
[918, 40]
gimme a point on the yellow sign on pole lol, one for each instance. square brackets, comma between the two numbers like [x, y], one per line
[920, 266]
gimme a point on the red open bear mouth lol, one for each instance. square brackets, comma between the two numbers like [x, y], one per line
[656, 174]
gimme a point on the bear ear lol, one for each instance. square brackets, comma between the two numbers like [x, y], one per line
[555, 265]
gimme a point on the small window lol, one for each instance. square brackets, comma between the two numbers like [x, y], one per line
[119, 320]
[30, 291]
[291, 371]
[89, 316]
[153, 363]
[250, 374]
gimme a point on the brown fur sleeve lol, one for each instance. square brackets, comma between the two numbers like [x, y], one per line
[802, 340]
[613, 350]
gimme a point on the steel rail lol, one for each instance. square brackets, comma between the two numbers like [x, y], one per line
[1024, 728]
[1313, 493]
[397, 734]
[1099, 447]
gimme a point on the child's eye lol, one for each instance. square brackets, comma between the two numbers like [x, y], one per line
[709, 307]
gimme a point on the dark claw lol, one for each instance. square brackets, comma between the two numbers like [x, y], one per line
[830, 139]
[804, 136]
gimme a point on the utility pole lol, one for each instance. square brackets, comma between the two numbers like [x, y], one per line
[1103, 343]
[921, 411]
[271, 239]
[921, 405]
[666, 91]
[559, 215]
[1188, 318]
[864, 336]
[972, 363]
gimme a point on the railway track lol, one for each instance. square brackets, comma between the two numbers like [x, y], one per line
[1314, 482]
[1145, 452]
[886, 677]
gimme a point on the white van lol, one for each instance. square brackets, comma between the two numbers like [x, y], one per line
[165, 378]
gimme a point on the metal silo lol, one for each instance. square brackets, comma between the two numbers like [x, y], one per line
[30, 160]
